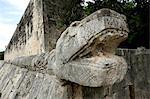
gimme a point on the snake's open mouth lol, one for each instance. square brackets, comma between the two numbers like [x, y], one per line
[103, 43]
[109, 41]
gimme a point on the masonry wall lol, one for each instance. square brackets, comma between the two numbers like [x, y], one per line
[52, 28]
[21, 83]
[28, 38]
[38, 30]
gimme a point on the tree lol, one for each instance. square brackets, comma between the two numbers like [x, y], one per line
[63, 12]
[137, 13]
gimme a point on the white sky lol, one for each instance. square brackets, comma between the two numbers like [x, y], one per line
[11, 12]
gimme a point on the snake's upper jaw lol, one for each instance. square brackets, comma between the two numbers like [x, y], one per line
[110, 41]
[108, 29]
[107, 25]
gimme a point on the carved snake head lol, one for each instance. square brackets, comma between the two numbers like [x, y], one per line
[85, 51]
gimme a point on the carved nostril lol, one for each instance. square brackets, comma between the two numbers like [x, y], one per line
[107, 64]
[88, 20]
[75, 24]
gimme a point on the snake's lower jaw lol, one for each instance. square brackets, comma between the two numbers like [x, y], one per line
[111, 69]
[95, 71]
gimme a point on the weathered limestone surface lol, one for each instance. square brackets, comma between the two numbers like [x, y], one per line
[28, 38]
[137, 79]
[21, 83]
[51, 29]
[1, 63]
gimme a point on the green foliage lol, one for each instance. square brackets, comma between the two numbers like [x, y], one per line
[1, 55]
[69, 11]
[137, 13]
[63, 12]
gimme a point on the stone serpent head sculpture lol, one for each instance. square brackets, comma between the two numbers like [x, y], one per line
[85, 52]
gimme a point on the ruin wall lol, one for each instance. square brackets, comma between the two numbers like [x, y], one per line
[52, 28]
[28, 38]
